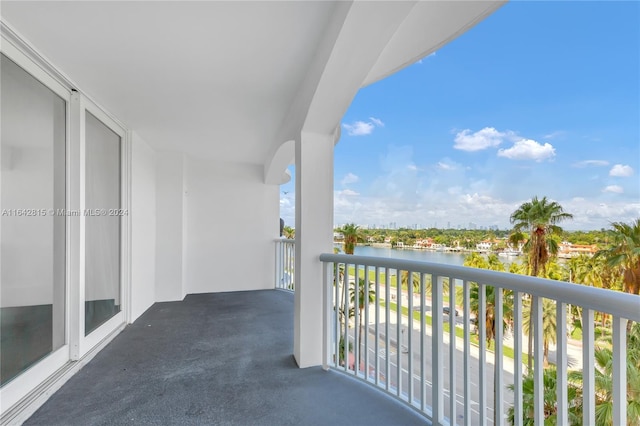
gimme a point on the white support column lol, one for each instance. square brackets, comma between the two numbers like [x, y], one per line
[314, 235]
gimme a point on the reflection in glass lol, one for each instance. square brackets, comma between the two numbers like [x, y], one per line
[102, 224]
[32, 225]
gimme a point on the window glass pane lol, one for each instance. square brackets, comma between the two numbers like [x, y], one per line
[32, 225]
[102, 224]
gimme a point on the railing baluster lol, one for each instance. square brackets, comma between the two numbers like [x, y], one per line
[398, 332]
[452, 350]
[345, 316]
[467, 352]
[588, 369]
[562, 413]
[387, 320]
[336, 317]
[619, 370]
[423, 345]
[410, 334]
[517, 360]
[377, 329]
[327, 304]
[538, 369]
[356, 320]
[278, 261]
[437, 388]
[482, 353]
[366, 322]
[498, 376]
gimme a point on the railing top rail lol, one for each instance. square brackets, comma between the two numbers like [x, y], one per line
[284, 240]
[617, 303]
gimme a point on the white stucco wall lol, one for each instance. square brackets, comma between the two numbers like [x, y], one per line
[232, 221]
[170, 225]
[143, 226]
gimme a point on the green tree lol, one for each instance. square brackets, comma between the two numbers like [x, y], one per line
[364, 300]
[288, 232]
[603, 375]
[549, 398]
[540, 219]
[351, 234]
[548, 326]
[625, 254]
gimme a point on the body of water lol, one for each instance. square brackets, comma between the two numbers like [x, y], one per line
[449, 258]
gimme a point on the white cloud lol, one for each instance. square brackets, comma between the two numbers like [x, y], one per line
[349, 178]
[587, 163]
[621, 171]
[349, 193]
[359, 128]
[482, 139]
[616, 189]
[553, 135]
[528, 149]
[446, 166]
[376, 121]
[362, 128]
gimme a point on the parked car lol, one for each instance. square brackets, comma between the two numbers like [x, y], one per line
[447, 311]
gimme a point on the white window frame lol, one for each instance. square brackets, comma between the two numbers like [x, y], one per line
[43, 378]
[25, 382]
[82, 106]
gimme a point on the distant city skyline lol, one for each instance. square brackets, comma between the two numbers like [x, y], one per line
[540, 99]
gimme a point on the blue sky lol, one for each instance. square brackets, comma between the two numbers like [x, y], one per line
[540, 99]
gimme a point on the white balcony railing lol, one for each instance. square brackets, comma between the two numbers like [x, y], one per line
[285, 264]
[404, 343]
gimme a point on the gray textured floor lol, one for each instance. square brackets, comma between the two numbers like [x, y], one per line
[215, 359]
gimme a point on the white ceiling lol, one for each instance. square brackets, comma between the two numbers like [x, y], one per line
[216, 79]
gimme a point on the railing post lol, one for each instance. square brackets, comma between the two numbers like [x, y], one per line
[538, 369]
[482, 353]
[498, 391]
[327, 302]
[562, 413]
[467, 352]
[437, 385]
[588, 369]
[619, 370]
[517, 360]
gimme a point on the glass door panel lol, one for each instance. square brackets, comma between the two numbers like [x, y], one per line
[102, 224]
[32, 224]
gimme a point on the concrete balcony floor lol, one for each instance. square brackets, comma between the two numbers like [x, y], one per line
[215, 359]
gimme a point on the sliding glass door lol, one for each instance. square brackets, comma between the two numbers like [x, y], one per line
[32, 225]
[102, 223]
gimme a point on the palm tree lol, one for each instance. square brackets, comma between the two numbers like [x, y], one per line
[493, 263]
[515, 239]
[364, 300]
[603, 375]
[625, 255]
[548, 326]
[549, 398]
[351, 235]
[539, 218]
[288, 232]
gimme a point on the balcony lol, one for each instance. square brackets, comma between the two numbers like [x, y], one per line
[226, 357]
[220, 358]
